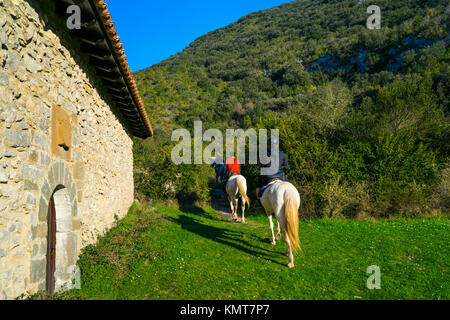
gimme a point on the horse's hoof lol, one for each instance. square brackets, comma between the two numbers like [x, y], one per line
[243, 221]
[278, 237]
[290, 265]
[286, 254]
[273, 243]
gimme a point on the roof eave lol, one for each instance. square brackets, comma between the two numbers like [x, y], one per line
[99, 40]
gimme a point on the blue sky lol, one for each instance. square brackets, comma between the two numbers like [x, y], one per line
[152, 31]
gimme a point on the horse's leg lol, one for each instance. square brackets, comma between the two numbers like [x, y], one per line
[271, 230]
[243, 209]
[279, 227]
[289, 251]
[236, 205]
[278, 237]
[231, 206]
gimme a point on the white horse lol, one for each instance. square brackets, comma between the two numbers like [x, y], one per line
[237, 186]
[283, 200]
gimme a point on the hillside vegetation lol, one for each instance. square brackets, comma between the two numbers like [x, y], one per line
[363, 114]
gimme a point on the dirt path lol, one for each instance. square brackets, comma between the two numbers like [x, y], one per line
[220, 204]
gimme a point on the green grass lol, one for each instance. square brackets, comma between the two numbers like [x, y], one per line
[193, 253]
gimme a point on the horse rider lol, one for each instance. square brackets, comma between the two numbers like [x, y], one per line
[277, 173]
[219, 167]
[232, 166]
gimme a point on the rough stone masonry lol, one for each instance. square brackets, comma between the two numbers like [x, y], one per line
[57, 133]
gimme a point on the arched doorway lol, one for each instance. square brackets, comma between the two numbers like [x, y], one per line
[59, 220]
[63, 219]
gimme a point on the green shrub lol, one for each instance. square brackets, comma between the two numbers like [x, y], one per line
[158, 178]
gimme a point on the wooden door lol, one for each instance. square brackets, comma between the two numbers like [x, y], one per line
[51, 247]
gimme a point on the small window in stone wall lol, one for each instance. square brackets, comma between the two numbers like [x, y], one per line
[61, 135]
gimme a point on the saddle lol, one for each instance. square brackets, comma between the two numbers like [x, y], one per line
[268, 185]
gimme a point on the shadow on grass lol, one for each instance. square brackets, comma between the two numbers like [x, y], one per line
[224, 236]
[198, 211]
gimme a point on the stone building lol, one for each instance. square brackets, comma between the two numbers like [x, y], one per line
[69, 109]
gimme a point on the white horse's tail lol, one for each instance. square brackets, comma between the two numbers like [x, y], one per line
[240, 184]
[291, 216]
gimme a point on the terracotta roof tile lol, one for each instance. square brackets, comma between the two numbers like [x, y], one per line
[102, 9]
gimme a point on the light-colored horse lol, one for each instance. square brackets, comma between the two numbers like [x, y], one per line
[283, 200]
[237, 186]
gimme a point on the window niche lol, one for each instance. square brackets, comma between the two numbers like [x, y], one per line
[61, 135]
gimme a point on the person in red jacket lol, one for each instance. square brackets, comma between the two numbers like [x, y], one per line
[232, 166]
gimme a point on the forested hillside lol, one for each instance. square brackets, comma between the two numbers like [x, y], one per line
[363, 114]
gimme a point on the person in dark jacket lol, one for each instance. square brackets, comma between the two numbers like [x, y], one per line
[277, 173]
[219, 168]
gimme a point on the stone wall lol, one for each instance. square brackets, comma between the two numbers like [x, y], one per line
[40, 73]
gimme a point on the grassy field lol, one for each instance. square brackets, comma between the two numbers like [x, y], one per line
[193, 253]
